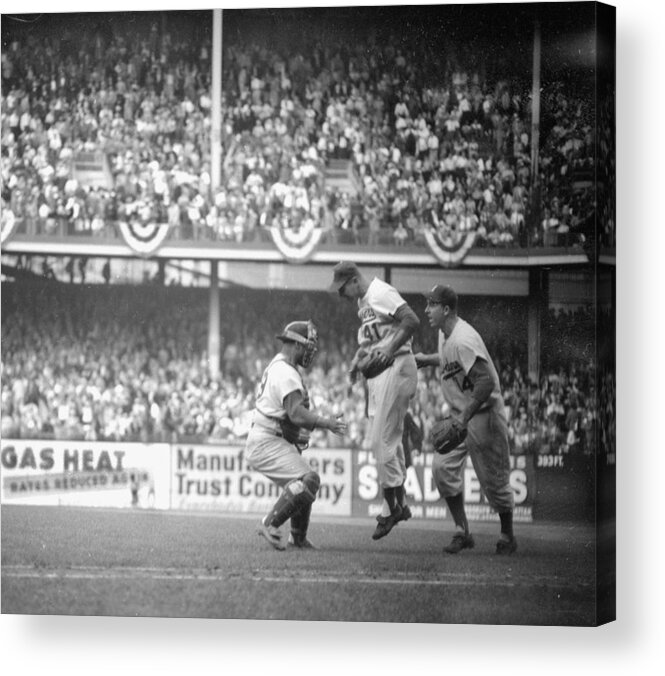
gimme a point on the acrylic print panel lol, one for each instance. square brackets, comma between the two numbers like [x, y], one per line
[181, 185]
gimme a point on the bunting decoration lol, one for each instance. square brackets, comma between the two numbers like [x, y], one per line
[450, 248]
[297, 245]
[9, 222]
[144, 238]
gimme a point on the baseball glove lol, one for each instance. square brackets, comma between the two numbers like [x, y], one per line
[370, 365]
[447, 434]
[298, 436]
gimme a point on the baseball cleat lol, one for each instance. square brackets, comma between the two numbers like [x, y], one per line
[459, 542]
[301, 542]
[385, 524]
[405, 514]
[272, 535]
[505, 547]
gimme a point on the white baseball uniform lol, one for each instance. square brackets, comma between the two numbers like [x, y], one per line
[389, 393]
[266, 451]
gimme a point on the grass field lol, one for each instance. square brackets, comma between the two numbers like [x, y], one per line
[87, 561]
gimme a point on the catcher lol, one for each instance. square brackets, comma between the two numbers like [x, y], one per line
[281, 424]
[477, 426]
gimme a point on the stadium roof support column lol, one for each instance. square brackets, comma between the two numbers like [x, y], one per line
[216, 95]
[213, 321]
[535, 132]
[538, 304]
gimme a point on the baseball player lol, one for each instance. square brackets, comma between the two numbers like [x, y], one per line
[387, 325]
[471, 389]
[281, 423]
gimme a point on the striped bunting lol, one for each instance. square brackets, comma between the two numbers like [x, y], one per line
[450, 251]
[297, 246]
[144, 238]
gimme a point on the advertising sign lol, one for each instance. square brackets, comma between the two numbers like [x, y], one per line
[423, 496]
[204, 477]
[92, 169]
[217, 478]
[96, 474]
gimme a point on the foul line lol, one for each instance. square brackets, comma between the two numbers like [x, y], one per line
[205, 575]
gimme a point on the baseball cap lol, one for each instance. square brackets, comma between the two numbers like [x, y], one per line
[444, 295]
[342, 273]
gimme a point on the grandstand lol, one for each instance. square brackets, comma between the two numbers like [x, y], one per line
[115, 127]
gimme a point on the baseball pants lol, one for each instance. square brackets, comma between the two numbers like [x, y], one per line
[487, 445]
[389, 396]
[274, 457]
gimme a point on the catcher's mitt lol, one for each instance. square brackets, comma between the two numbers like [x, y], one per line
[447, 434]
[371, 365]
[298, 436]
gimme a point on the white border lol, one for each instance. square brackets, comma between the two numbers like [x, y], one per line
[53, 645]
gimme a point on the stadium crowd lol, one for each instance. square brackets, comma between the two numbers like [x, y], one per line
[129, 363]
[433, 140]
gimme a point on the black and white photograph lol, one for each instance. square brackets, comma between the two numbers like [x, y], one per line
[309, 315]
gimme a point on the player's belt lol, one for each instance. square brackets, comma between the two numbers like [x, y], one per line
[274, 432]
[270, 425]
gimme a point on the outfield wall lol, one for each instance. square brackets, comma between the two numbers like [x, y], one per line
[216, 478]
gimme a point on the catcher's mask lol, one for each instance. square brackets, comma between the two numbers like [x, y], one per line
[304, 333]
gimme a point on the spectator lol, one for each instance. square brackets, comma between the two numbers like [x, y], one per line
[121, 363]
[286, 114]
